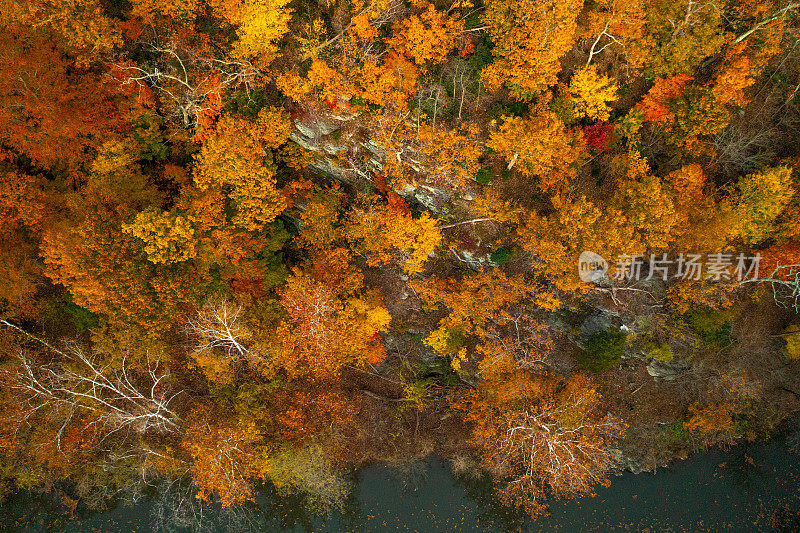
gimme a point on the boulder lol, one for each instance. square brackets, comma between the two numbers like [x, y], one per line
[667, 371]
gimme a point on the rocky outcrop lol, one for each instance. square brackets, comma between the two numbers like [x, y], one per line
[667, 371]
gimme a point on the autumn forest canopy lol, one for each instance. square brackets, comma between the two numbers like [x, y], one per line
[268, 241]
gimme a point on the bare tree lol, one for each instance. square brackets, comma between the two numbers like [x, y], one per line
[539, 437]
[523, 340]
[192, 82]
[744, 148]
[218, 325]
[593, 51]
[120, 398]
[179, 506]
[780, 13]
[570, 458]
[785, 283]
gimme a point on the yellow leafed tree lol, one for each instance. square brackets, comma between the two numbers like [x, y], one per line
[261, 26]
[539, 145]
[589, 92]
[762, 198]
[576, 225]
[644, 201]
[529, 36]
[167, 237]
[392, 233]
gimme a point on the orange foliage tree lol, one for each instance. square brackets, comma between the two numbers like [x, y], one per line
[226, 458]
[155, 11]
[703, 222]
[24, 211]
[52, 115]
[713, 423]
[238, 155]
[83, 25]
[449, 157]
[685, 111]
[383, 233]
[426, 38]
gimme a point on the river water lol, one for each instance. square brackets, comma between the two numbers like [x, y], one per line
[752, 487]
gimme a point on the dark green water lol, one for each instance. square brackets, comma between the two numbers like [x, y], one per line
[748, 488]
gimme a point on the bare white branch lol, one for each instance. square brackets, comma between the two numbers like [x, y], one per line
[119, 399]
[218, 325]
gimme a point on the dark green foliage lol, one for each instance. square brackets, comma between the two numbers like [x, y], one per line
[515, 108]
[246, 103]
[417, 337]
[61, 307]
[603, 351]
[484, 176]
[357, 103]
[248, 398]
[147, 133]
[444, 373]
[501, 256]
[564, 109]
[713, 327]
[271, 257]
[675, 433]
[483, 52]
[217, 285]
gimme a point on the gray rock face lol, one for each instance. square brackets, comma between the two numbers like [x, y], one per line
[316, 127]
[375, 149]
[326, 166]
[557, 323]
[305, 131]
[476, 263]
[306, 143]
[325, 128]
[595, 324]
[313, 134]
[634, 354]
[430, 197]
[667, 371]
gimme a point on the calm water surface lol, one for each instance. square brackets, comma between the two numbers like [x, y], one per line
[748, 488]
